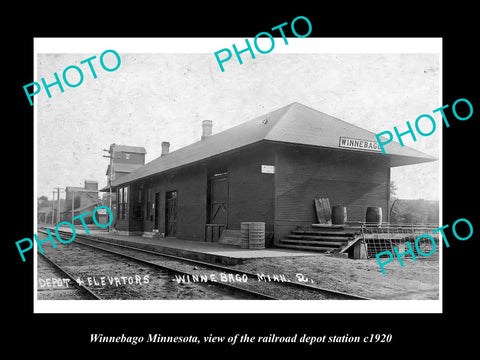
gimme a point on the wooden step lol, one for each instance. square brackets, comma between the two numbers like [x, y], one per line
[319, 238]
[313, 248]
[326, 227]
[317, 243]
[326, 233]
[329, 226]
[151, 234]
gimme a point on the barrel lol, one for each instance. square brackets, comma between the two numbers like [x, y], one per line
[339, 215]
[374, 215]
[256, 235]
[244, 227]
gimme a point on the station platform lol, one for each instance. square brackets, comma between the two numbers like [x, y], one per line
[198, 250]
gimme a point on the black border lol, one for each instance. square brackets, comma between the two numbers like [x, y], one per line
[70, 332]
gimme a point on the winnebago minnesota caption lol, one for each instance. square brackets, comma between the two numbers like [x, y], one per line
[151, 338]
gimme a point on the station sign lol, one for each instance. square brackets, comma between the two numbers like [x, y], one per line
[358, 144]
[268, 169]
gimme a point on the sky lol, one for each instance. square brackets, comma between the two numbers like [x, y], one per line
[165, 95]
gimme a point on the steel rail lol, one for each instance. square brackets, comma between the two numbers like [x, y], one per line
[251, 293]
[67, 274]
[332, 293]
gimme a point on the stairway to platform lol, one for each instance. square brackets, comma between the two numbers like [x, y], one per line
[324, 238]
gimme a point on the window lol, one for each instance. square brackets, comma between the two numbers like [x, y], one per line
[149, 204]
[122, 202]
[76, 201]
[125, 201]
[137, 211]
[127, 156]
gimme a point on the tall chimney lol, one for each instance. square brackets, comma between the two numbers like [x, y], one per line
[165, 148]
[207, 126]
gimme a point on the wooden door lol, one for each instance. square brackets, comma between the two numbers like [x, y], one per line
[171, 213]
[157, 209]
[218, 200]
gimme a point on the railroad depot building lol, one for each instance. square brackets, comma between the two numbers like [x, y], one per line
[269, 169]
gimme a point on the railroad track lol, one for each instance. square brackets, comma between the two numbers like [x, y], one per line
[90, 295]
[230, 289]
[188, 269]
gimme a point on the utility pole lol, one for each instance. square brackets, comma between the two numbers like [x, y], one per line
[53, 205]
[73, 211]
[58, 204]
[58, 212]
[111, 157]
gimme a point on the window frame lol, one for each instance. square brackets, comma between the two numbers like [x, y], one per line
[122, 202]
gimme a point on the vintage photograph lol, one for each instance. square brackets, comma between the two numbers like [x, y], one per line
[162, 179]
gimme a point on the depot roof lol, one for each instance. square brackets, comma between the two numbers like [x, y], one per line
[294, 123]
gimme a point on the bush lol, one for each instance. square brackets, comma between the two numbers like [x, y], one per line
[414, 212]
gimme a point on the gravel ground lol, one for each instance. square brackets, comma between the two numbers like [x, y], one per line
[112, 277]
[416, 280]
[275, 287]
[59, 290]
